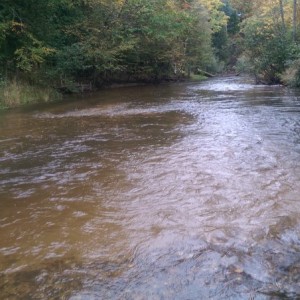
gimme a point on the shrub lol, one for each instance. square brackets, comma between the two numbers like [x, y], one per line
[291, 76]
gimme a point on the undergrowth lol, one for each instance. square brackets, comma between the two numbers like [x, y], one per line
[14, 94]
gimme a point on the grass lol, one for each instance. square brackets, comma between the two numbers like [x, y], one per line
[15, 94]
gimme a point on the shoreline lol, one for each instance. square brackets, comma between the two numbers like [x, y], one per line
[18, 95]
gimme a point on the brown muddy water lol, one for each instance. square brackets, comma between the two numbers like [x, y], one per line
[181, 191]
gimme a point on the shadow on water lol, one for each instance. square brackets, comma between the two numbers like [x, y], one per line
[187, 191]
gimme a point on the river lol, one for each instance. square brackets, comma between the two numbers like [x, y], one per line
[174, 191]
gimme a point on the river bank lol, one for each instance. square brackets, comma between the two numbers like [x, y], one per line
[15, 94]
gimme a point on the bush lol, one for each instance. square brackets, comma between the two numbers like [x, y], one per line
[244, 65]
[291, 76]
[267, 49]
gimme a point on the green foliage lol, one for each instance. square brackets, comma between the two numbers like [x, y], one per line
[267, 43]
[33, 54]
[197, 77]
[267, 49]
[62, 42]
[291, 75]
[244, 65]
[226, 40]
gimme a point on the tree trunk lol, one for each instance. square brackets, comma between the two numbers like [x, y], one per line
[294, 19]
[205, 73]
[282, 14]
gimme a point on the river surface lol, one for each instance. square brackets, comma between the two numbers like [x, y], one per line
[180, 191]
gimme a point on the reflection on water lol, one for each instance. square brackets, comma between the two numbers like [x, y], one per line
[181, 191]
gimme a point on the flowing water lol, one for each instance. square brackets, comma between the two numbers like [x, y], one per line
[181, 191]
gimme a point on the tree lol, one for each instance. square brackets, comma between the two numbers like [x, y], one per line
[282, 15]
[294, 19]
[67, 41]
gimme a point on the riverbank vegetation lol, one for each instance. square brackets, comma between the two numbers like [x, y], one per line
[269, 40]
[76, 45]
[63, 46]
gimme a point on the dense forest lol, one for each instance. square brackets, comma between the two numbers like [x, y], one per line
[50, 47]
